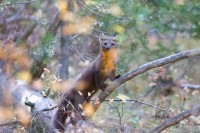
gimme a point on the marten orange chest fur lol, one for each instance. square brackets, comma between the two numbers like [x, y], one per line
[89, 81]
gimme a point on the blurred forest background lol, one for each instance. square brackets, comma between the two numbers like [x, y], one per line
[46, 42]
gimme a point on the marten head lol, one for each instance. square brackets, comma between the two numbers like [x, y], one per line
[107, 42]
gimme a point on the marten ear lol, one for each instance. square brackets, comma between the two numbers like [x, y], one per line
[116, 38]
[102, 36]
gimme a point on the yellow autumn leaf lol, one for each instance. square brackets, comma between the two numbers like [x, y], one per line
[23, 116]
[141, 123]
[5, 114]
[24, 75]
[46, 70]
[80, 106]
[88, 110]
[115, 10]
[56, 86]
[117, 28]
[2, 52]
[82, 26]
[89, 94]
[69, 17]
[80, 93]
[111, 100]
[122, 97]
[63, 7]
[90, 2]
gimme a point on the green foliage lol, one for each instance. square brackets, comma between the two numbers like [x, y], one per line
[45, 50]
[122, 63]
[134, 121]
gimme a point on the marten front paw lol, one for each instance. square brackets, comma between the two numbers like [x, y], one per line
[117, 76]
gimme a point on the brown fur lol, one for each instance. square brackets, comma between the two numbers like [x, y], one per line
[90, 80]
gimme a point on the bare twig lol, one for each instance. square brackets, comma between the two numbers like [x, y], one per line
[190, 86]
[18, 3]
[88, 8]
[120, 117]
[55, 24]
[28, 31]
[10, 123]
[183, 104]
[16, 18]
[100, 31]
[143, 68]
[135, 100]
[95, 36]
[172, 121]
[120, 114]
[48, 109]
[78, 52]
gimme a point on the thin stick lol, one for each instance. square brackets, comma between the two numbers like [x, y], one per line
[191, 86]
[135, 100]
[174, 120]
[17, 3]
[48, 109]
[10, 123]
[86, 7]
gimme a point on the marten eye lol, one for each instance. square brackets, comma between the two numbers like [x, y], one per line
[105, 43]
[112, 44]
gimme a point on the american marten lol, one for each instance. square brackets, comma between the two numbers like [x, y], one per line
[90, 81]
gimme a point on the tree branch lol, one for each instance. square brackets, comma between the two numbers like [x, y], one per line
[172, 121]
[54, 25]
[15, 3]
[89, 9]
[16, 18]
[141, 69]
[28, 32]
[191, 86]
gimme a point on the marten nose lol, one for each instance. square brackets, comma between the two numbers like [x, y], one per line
[107, 48]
